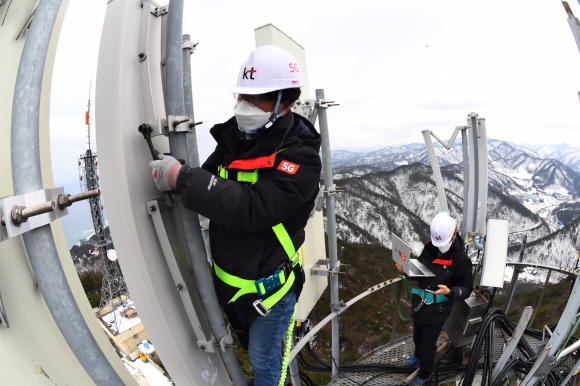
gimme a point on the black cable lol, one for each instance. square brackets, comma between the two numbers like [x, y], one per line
[491, 297]
[304, 378]
[494, 320]
[316, 357]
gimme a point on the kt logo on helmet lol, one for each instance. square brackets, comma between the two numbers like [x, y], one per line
[245, 76]
[438, 237]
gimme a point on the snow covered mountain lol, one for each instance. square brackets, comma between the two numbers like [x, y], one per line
[405, 199]
[556, 249]
[539, 183]
[569, 156]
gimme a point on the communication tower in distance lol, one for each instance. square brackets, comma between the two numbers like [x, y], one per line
[114, 290]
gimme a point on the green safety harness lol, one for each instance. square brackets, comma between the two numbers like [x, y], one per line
[285, 274]
[426, 298]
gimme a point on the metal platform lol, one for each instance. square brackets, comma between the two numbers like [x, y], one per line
[397, 352]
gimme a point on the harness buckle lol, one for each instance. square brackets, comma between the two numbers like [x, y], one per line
[263, 311]
[267, 284]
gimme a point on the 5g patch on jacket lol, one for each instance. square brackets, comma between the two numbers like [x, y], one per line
[288, 167]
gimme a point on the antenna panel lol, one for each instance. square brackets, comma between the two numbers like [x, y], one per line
[477, 209]
[495, 253]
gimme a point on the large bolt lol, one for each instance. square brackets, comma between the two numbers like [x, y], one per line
[21, 214]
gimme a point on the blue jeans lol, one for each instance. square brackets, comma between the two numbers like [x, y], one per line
[265, 343]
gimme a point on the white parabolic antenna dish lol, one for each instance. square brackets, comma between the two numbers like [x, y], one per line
[112, 255]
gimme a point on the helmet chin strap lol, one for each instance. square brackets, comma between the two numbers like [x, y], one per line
[275, 114]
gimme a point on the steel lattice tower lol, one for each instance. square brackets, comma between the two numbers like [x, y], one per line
[114, 290]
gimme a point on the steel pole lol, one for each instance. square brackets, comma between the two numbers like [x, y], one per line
[27, 177]
[330, 224]
[175, 105]
[515, 275]
[193, 158]
[191, 138]
[475, 158]
[465, 182]
[294, 372]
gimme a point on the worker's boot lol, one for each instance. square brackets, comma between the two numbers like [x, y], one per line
[412, 362]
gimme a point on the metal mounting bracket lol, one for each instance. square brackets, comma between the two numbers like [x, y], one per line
[333, 190]
[179, 123]
[318, 201]
[34, 201]
[306, 108]
[153, 210]
[207, 346]
[317, 271]
[227, 340]
[188, 44]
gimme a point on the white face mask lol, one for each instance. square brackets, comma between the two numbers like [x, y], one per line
[249, 117]
[445, 248]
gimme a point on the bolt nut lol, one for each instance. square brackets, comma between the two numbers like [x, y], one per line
[152, 208]
[180, 287]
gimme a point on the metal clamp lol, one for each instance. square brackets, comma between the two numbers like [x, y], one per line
[306, 108]
[334, 189]
[227, 340]
[187, 44]
[207, 346]
[178, 123]
[317, 271]
[29, 211]
[339, 307]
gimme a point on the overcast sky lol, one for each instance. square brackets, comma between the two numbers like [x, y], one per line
[395, 67]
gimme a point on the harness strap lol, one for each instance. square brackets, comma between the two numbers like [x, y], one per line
[286, 241]
[430, 298]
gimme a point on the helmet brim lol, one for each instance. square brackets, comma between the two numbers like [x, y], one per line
[260, 90]
[440, 243]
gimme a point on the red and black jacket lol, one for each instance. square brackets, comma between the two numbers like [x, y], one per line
[242, 214]
[453, 269]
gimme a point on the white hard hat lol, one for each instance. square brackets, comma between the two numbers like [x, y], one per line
[268, 68]
[442, 228]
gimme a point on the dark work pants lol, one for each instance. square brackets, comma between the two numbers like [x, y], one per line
[425, 338]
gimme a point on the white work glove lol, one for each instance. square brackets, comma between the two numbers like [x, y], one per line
[165, 172]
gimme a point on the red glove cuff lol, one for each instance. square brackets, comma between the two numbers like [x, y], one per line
[173, 174]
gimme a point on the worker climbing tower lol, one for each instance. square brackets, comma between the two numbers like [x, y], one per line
[114, 290]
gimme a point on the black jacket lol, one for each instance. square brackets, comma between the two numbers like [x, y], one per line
[242, 214]
[457, 276]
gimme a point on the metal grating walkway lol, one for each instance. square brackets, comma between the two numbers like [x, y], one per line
[397, 352]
